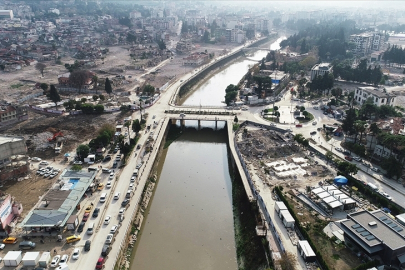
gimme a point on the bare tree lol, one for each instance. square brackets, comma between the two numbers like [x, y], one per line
[287, 261]
[40, 67]
[79, 78]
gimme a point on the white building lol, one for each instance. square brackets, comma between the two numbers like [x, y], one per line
[54, 10]
[379, 98]
[6, 14]
[366, 42]
[135, 14]
[320, 70]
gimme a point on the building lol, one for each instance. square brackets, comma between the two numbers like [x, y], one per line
[376, 235]
[9, 210]
[379, 97]
[320, 70]
[305, 250]
[58, 204]
[13, 160]
[365, 43]
[195, 59]
[6, 14]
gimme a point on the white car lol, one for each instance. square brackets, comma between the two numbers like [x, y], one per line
[314, 123]
[111, 176]
[131, 186]
[64, 259]
[133, 179]
[117, 195]
[44, 162]
[108, 185]
[114, 229]
[109, 238]
[76, 253]
[107, 220]
[36, 159]
[78, 163]
[2, 246]
[55, 261]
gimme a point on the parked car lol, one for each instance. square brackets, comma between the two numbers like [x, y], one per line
[125, 202]
[100, 263]
[73, 238]
[75, 254]
[113, 229]
[44, 162]
[64, 259]
[375, 169]
[81, 227]
[100, 186]
[314, 123]
[349, 158]
[36, 159]
[88, 208]
[77, 162]
[346, 153]
[298, 125]
[312, 132]
[85, 217]
[111, 177]
[55, 261]
[10, 240]
[87, 245]
[357, 159]
[338, 149]
[109, 238]
[107, 158]
[117, 195]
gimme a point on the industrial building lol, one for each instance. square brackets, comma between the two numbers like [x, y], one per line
[377, 235]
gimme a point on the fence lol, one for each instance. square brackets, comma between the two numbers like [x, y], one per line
[31, 96]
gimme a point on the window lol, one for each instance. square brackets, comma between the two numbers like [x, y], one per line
[382, 100]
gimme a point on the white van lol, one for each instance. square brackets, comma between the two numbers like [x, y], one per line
[90, 229]
[135, 173]
[103, 197]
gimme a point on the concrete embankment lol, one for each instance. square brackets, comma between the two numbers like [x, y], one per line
[188, 85]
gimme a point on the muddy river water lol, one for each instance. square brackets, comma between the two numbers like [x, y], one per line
[189, 222]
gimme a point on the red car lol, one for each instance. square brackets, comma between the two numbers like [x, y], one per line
[298, 125]
[349, 158]
[85, 217]
[100, 263]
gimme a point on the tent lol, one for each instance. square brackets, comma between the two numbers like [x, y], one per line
[340, 180]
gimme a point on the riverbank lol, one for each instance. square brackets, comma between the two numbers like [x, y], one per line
[250, 248]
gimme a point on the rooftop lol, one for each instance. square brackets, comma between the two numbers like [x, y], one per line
[375, 228]
[374, 91]
[59, 203]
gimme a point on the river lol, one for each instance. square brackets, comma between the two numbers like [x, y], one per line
[189, 223]
[212, 91]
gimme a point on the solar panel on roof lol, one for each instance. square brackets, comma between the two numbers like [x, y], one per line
[398, 229]
[388, 222]
[355, 226]
[371, 237]
[393, 225]
[383, 218]
[360, 230]
[365, 233]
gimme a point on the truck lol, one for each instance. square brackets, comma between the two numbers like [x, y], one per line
[72, 223]
[58, 147]
[45, 259]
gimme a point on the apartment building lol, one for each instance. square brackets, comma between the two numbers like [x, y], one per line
[320, 70]
[379, 97]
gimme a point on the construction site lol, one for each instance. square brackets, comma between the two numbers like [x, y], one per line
[277, 160]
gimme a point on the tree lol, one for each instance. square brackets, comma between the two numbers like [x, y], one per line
[95, 81]
[108, 87]
[79, 78]
[288, 261]
[76, 168]
[348, 122]
[136, 126]
[44, 86]
[329, 156]
[40, 67]
[206, 37]
[231, 93]
[54, 95]
[99, 108]
[149, 89]
[161, 44]
[82, 151]
[359, 127]
[375, 131]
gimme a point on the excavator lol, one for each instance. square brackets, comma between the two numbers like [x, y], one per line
[55, 135]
